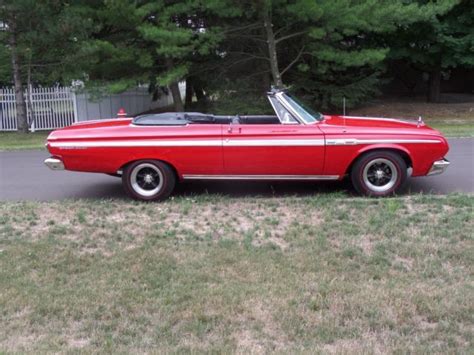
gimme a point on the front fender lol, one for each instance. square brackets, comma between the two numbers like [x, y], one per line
[340, 158]
[391, 146]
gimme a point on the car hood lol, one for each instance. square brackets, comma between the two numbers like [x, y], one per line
[353, 121]
[333, 124]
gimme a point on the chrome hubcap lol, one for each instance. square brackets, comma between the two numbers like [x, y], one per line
[380, 175]
[146, 179]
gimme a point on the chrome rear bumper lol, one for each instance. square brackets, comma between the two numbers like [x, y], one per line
[438, 167]
[54, 164]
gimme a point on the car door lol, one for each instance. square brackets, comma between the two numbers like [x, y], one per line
[194, 149]
[292, 150]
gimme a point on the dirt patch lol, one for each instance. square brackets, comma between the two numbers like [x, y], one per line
[261, 317]
[78, 343]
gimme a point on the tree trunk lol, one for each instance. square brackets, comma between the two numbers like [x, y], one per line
[272, 53]
[200, 95]
[29, 98]
[266, 82]
[434, 89]
[189, 92]
[174, 87]
[22, 120]
[178, 102]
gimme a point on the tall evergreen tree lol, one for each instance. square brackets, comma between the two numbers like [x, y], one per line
[154, 42]
[326, 49]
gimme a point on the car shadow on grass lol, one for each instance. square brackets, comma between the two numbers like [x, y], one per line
[245, 189]
[238, 189]
[232, 189]
[242, 189]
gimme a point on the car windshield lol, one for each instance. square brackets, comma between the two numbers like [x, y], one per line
[306, 113]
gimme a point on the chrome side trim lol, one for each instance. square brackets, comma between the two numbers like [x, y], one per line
[341, 141]
[140, 143]
[191, 143]
[272, 142]
[233, 142]
[54, 164]
[372, 141]
[259, 177]
[439, 167]
[351, 141]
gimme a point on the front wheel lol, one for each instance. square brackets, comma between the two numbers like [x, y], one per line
[148, 180]
[379, 173]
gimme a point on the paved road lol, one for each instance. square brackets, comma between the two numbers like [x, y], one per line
[24, 177]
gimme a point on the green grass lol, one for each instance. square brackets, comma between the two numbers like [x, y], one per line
[454, 129]
[206, 273]
[19, 141]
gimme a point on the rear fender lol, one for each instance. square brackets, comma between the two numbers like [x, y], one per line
[178, 176]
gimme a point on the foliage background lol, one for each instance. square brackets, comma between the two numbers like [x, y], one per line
[324, 50]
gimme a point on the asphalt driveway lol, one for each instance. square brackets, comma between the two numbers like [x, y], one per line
[24, 177]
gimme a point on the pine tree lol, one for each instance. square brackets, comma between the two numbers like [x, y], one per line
[154, 42]
[325, 49]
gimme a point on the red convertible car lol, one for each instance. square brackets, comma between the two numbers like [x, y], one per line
[152, 152]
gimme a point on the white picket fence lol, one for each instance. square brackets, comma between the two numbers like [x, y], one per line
[57, 107]
[53, 107]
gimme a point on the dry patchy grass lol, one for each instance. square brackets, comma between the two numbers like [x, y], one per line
[238, 274]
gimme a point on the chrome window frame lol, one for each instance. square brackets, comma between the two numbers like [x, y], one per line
[270, 98]
[281, 98]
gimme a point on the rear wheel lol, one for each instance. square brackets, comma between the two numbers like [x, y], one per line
[148, 180]
[379, 173]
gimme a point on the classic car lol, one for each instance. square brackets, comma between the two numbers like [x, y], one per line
[153, 152]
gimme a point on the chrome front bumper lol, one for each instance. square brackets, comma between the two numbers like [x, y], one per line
[438, 167]
[54, 164]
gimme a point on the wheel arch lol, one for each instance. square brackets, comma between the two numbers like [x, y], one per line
[175, 171]
[403, 152]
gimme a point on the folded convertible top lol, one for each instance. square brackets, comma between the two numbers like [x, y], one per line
[172, 119]
[183, 118]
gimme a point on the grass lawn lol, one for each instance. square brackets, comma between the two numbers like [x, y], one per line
[211, 273]
[14, 140]
[453, 129]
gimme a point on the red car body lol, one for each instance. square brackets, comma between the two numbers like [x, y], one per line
[325, 149]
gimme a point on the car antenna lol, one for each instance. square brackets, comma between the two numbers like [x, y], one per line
[344, 109]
